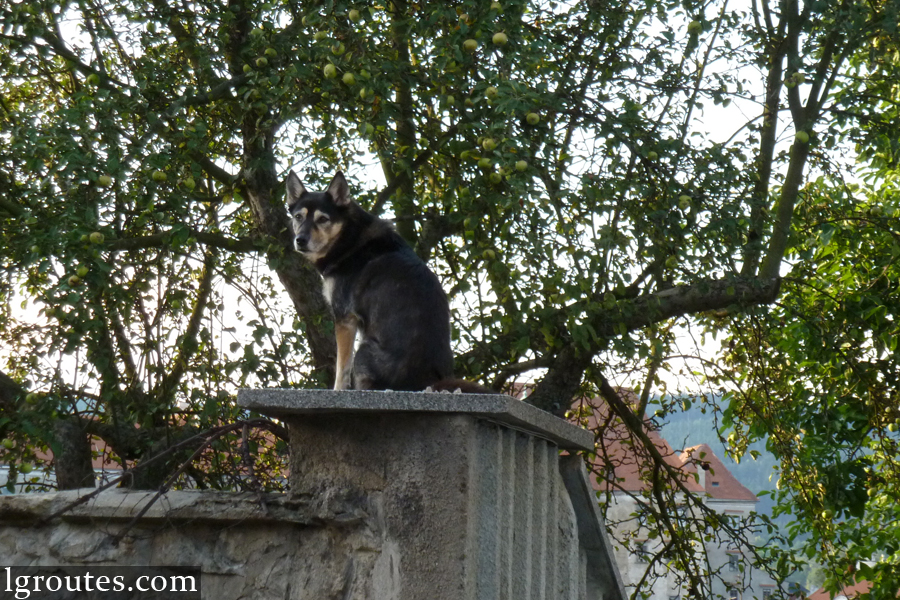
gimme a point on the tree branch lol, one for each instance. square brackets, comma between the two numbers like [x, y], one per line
[420, 160]
[189, 339]
[759, 200]
[556, 390]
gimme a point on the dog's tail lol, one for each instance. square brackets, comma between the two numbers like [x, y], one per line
[459, 386]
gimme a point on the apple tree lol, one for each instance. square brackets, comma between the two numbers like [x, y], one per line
[601, 187]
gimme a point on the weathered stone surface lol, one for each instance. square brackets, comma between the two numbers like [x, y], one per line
[246, 549]
[504, 409]
[404, 503]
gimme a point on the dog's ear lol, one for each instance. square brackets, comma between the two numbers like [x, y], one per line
[295, 189]
[339, 190]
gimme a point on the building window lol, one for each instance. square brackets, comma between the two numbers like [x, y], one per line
[732, 594]
[767, 594]
[734, 562]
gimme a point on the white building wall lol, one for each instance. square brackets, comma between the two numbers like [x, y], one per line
[750, 583]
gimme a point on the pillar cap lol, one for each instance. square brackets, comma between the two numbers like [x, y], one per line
[498, 408]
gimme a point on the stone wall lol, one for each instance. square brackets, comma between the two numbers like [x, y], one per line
[394, 496]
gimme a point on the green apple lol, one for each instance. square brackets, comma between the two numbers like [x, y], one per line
[652, 155]
[74, 280]
[354, 16]
[500, 38]
[96, 238]
[159, 176]
[370, 129]
[338, 49]
[258, 31]
[495, 177]
[491, 93]
[8, 444]
[521, 165]
[470, 45]
[189, 184]
[25, 468]
[450, 100]
[320, 35]
[82, 271]
[262, 61]
[489, 254]
[485, 163]
[330, 71]
[684, 202]
[31, 398]
[533, 118]
[363, 93]
[105, 180]
[496, 6]
[248, 69]
[695, 27]
[489, 144]
[92, 79]
[35, 249]
[802, 137]
[349, 78]
[271, 52]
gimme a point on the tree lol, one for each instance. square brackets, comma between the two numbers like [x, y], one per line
[559, 179]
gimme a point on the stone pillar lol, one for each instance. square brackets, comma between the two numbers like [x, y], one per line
[466, 496]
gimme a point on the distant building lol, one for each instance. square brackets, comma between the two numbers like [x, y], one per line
[624, 472]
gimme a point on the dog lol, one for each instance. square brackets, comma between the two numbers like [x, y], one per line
[377, 287]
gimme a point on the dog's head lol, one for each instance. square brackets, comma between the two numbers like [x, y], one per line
[317, 217]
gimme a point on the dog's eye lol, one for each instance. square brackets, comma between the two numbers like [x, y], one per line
[321, 220]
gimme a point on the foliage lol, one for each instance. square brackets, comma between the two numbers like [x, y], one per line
[568, 186]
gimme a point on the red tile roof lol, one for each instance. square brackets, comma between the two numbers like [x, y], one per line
[851, 591]
[624, 463]
[719, 483]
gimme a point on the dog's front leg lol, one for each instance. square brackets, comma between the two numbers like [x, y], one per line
[345, 333]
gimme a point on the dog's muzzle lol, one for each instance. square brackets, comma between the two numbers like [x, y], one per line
[301, 243]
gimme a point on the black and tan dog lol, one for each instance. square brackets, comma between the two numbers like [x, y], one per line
[378, 287]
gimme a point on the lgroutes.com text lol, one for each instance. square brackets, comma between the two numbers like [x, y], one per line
[38, 581]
